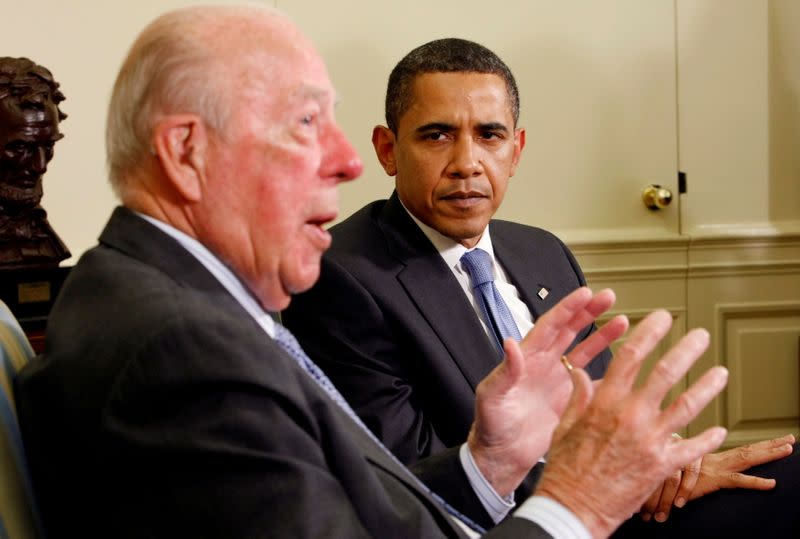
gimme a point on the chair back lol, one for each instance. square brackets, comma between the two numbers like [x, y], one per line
[19, 517]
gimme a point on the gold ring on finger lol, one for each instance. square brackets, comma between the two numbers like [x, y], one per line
[566, 363]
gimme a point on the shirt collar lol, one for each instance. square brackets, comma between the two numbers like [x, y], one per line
[451, 250]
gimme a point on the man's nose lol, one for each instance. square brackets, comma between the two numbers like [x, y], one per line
[464, 162]
[341, 159]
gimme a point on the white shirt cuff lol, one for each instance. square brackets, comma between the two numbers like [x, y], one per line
[553, 517]
[497, 506]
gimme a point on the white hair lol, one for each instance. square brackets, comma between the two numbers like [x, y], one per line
[172, 67]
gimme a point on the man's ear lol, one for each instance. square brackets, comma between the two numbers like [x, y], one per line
[519, 144]
[180, 142]
[383, 140]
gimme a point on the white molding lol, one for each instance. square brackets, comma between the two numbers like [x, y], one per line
[763, 255]
[636, 273]
[770, 229]
[744, 270]
[682, 257]
[636, 315]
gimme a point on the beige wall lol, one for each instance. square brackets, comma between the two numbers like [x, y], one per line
[616, 94]
[784, 99]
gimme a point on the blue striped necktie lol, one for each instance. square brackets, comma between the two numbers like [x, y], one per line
[289, 343]
[495, 312]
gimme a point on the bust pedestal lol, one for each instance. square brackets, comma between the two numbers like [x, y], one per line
[30, 292]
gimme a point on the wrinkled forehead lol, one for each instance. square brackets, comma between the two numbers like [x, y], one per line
[263, 68]
[293, 62]
[285, 75]
[28, 123]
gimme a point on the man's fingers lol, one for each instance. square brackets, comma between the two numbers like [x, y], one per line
[582, 390]
[598, 305]
[683, 452]
[775, 442]
[740, 480]
[598, 341]
[674, 365]
[649, 507]
[747, 456]
[506, 374]
[628, 359]
[550, 323]
[689, 403]
[513, 358]
[689, 477]
[560, 325]
[668, 492]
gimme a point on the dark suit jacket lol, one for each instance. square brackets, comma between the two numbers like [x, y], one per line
[391, 326]
[161, 409]
[389, 323]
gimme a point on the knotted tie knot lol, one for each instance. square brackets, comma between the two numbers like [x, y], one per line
[478, 264]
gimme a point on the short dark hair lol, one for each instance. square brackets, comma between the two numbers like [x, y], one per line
[448, 55]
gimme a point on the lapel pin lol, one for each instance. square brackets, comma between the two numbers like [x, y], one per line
[542, 293]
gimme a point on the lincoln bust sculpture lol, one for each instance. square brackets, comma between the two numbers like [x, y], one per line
[29, 119]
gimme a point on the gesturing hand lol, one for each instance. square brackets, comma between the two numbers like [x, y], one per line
[519, 403]
[613, 445]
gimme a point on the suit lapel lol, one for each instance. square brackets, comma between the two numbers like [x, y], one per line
[137, 238]
[427, 279]
[530, 274]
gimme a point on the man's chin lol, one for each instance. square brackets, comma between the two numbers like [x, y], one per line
[276, 295]
[464, 233]
[304, 278]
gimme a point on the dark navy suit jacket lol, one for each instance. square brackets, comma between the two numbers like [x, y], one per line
[393, 329]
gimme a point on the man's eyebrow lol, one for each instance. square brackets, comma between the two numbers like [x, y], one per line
[493, 126]
[316, 93]
[449, 128]
[435, 126]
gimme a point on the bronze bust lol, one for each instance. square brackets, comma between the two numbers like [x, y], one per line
[29, 119]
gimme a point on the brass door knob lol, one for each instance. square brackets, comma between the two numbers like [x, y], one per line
[656, 197]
